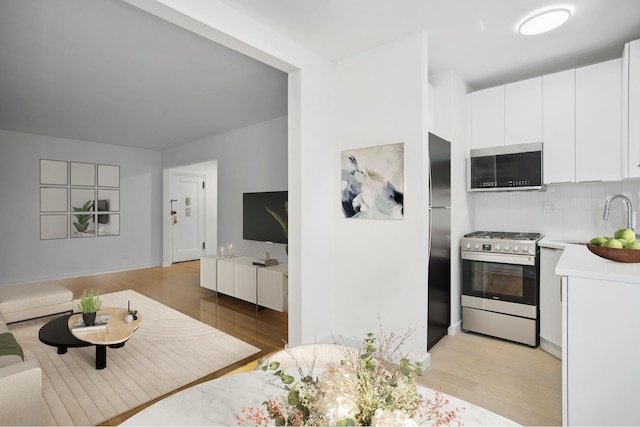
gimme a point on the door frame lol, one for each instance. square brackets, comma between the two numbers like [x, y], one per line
[210, 170]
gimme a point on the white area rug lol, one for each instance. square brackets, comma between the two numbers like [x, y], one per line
[168, 350]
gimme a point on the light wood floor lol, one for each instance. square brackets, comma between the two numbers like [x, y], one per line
[515, 381]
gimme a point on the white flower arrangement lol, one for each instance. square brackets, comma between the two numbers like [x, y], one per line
[362, 389]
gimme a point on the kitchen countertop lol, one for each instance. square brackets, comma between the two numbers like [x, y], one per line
[559, 243]
[578, 261]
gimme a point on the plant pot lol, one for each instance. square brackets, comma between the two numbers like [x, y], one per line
[89, 319]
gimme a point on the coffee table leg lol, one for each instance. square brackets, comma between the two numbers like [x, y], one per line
[101, 356]
[62, 349]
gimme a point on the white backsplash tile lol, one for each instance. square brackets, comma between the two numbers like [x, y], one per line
[573, 211]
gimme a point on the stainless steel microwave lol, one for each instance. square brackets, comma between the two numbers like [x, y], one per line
[506, 168]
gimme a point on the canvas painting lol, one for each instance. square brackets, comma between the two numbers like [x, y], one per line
[373, 182]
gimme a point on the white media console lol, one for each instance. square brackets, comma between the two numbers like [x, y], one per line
[240, 278]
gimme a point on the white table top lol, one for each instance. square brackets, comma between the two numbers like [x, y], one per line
[220, 401]
[116, 332]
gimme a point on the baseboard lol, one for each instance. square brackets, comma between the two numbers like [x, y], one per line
[551, 348]
[79, 274]
[455, 329]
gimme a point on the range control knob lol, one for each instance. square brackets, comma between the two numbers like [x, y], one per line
[476, 247]
[525, 248]
[497, 247]
[506, 248]
[516, 249]
[468, 245]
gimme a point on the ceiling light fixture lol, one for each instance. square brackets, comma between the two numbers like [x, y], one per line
[543, 22]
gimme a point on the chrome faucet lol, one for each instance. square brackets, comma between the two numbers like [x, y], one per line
[627, 204]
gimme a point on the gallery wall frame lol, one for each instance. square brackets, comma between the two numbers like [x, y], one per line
[85, 198]
[53, 199]
[53, 227]
[83, 174]
[108, 176]
[53, 172]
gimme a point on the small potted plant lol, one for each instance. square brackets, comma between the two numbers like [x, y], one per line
[88, 306]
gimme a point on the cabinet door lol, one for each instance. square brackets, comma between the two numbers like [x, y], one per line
[246, 282]
[272, 289]
[487, 117]
[227, 278]
[631, 110]
[558, 127]
[208, 272]
[602, 352]
[598, 118]
[550, 302]
[523, 111]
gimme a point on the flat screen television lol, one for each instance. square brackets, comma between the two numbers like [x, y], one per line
[257, 223]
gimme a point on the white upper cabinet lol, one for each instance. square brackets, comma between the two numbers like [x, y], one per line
[598, 121]
[631, 110]
[523, 112]
[487, 117]
[558, 127]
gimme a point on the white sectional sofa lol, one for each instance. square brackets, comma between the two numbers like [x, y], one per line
[21, 401]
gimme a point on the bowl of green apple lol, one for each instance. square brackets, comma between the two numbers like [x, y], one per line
[622, 247]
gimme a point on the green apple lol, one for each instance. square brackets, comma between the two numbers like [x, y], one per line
[633, 245]
[626, 234]
[614, 243]
[598, 241]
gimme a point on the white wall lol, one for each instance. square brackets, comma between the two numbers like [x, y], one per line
[25, 258]
[381, 264]
[563, 211]
[250, 159]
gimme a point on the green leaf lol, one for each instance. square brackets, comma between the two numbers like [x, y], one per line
[287, 379]
[348, 421]
[281, 220]
[274, 365]
[293, 399]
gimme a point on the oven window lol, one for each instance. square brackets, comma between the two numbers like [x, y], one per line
[504, 279]
[507, 282]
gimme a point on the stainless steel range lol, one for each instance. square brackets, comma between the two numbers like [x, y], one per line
[501, 285]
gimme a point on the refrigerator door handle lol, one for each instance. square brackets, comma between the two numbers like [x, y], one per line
[430, 201]
[430, 236]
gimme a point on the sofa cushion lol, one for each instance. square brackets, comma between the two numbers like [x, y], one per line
[9, 345]
[10, 350]
[3, 325]
[21, 302]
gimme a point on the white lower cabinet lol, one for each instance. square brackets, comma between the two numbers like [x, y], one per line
[273, 287]
[226, 277]
[209, 271]
[600, 347]
[238, 277]
[550, 302]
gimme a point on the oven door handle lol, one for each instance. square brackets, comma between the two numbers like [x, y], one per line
[499, 258]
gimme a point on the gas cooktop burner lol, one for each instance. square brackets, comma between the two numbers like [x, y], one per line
[510, 235]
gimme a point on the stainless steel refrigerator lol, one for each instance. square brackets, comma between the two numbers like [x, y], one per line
[439, 288]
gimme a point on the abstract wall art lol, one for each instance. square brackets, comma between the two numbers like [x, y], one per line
[373, 182]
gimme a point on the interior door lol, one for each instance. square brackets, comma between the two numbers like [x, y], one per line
[187, 216]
